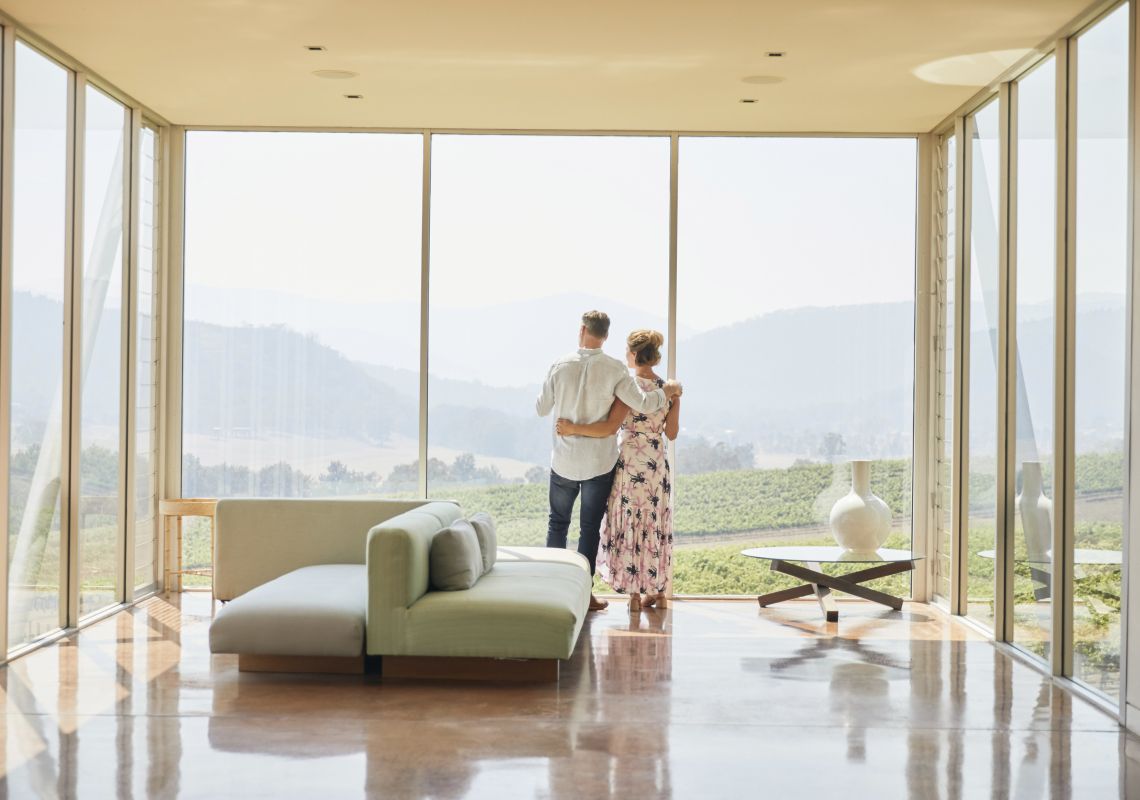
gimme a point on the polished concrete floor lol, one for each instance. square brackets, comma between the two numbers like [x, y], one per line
[707, 700]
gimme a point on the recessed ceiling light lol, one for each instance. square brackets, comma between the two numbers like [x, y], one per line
[315, 48]
[762, 80]
[354, 97]
[334, 74]
[748, 99]
[775, 54]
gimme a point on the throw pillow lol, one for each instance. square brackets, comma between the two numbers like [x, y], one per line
[488, 540]
[455, 560]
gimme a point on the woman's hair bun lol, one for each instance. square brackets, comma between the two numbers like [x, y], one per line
[646, 345]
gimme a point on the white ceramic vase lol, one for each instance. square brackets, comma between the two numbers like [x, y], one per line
[860, 521]
[1036, 511]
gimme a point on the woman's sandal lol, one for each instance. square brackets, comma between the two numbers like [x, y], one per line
[634, 603]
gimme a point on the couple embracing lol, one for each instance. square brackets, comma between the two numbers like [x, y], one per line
[626, 487]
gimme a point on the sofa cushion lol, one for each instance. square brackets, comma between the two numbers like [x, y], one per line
[488, 540]
[520, 609]
[311, 611]
[548, 555]
[456, 562]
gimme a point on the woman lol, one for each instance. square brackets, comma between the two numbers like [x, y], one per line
[636, 552]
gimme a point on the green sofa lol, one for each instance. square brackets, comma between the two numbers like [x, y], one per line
[530, 606]
[319, 585]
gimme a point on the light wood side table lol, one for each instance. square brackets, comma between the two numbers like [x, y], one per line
[173, 510]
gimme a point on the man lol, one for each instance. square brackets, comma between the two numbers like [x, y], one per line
[581, 387]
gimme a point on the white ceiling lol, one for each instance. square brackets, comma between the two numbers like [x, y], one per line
[851, 65]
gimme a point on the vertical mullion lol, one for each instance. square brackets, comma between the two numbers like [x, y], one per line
[957, 409]
[171, 294]
[154, 369]
[960, 539]
[674, 184]
[1064, 355]
[70, 486]
[936, 337]
[7, 159]
[925, 351]
[130, 328]
[1129, 641]
[425, 289]
[941, 304]
[1007, 367]
[674, 164]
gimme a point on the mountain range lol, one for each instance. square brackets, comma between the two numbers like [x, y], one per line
[782, 380]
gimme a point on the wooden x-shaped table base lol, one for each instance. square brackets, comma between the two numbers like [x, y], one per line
[822, 585]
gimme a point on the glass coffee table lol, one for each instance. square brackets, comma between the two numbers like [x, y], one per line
[886, 562]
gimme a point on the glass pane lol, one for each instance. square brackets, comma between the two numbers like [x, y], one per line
[946, 353]
[983, 350]
[39, 216]
[1036, 277]
[101, 529]
[796, 270]
[146, 366]
[529, 232]
[301, 340]
[1102, 332]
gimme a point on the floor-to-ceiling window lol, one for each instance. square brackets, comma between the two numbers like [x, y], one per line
[945, 353]
[39, 267]
[983, 190]
[795, 317]
[73, 333]
[527, 233]
[144, 495]
[101, 524]
[1096, 271]
[1101, 271]
[1033, 266]
[302, 292]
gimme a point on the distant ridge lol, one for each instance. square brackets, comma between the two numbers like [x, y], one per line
[783, 380]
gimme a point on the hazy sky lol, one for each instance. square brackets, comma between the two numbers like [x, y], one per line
[780, 223]
[40, 170]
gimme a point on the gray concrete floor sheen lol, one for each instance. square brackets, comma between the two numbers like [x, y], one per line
[707, 699]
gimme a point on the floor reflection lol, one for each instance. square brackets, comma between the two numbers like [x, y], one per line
[688, 702]
[631, 661]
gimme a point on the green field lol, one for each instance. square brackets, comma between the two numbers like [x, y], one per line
[749, 507]
[709, 505]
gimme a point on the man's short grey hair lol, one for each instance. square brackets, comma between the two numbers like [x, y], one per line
[597, 323]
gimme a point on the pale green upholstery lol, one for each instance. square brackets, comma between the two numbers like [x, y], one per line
[287, 567]
[259, 539]
[293, 571]
[311, 611]
[397, 557]
[547, 554]
[520, 609]
[530, 605]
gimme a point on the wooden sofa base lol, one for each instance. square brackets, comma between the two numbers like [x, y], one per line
[470, 669]
[336, 665]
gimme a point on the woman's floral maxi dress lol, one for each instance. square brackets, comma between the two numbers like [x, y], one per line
[636, 550]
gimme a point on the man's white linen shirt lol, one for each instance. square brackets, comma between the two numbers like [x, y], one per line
[581, 388]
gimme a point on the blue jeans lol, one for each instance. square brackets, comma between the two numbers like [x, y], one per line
[595, 494]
